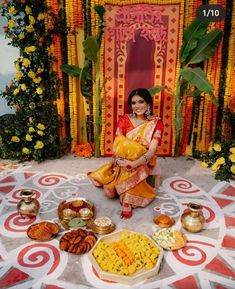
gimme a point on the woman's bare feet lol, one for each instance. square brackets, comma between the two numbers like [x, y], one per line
[126, 212]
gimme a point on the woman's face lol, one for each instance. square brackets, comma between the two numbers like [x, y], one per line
[138, 105]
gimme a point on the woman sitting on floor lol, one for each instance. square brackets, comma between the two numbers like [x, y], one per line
[137, 138]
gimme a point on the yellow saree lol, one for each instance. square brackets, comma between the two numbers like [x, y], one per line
[131, 186]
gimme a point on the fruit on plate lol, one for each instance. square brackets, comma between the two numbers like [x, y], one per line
[77, 241]
[169, 239]
[164, 221]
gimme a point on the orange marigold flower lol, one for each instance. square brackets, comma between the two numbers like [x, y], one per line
[84, 150]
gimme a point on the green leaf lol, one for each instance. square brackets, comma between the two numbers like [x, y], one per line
[72, 70]
[156, 89]
[100, 10]
[192, 35]
[213, 98]
[195, 93]
[91, 48]
[205, 47]
[184, 87]
[196, 77]
[178, 123]
[84, 78]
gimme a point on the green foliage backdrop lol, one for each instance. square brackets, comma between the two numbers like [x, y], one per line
[33, 131]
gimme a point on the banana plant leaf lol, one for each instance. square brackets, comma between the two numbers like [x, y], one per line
[100, 10]
[71, 70]
[91, 48]
[156, 89]
[85, 76]
[195, 93]
[205, 47]
[196, 77]
[184, 87]
[192, 35]
[213, 98]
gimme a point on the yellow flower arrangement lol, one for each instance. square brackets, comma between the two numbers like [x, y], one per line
[31, 74]
[11, 23]
[221, 159]
[232, 150]
[29, 28]
[31, 129]
[41, 126]
[15, 139]
[20, 137]
[39, 132]
[37, 79]
[232, 158]
[39, 145]
[41, 16]
[21, 36]
[28, 137]
[39, 90]
[12, 10]
[16, 91]
[30, 49]
[204, 164]
[18, 75]
[17, 66]
[217, 147]
[26, 62]
[31, 19]
[26, 150]
[23, 86]
[215, 167]
[27, 10]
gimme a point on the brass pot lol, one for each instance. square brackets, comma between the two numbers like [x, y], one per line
[192, 219]
[28, 207]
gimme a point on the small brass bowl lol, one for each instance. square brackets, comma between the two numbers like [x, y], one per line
[102, 225]
[85, 213]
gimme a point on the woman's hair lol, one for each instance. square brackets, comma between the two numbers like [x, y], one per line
[142, 92]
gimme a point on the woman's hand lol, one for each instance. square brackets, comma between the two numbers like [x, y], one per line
[130, 165]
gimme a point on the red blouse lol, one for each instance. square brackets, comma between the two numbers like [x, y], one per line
[125, 125]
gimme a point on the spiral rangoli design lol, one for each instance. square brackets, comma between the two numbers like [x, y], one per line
[206, 255]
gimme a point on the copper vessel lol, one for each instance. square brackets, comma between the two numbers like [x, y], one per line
[192, 219]
[28, 207]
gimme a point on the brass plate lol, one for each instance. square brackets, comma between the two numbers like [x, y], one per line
[69, 209]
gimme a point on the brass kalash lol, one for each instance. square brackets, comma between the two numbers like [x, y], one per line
[192, 219]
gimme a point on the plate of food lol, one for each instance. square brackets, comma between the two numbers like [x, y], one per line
[169, 239]
[75, 212]
[43, 231]
[126, 257]
[164, 221]
[77, 241]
